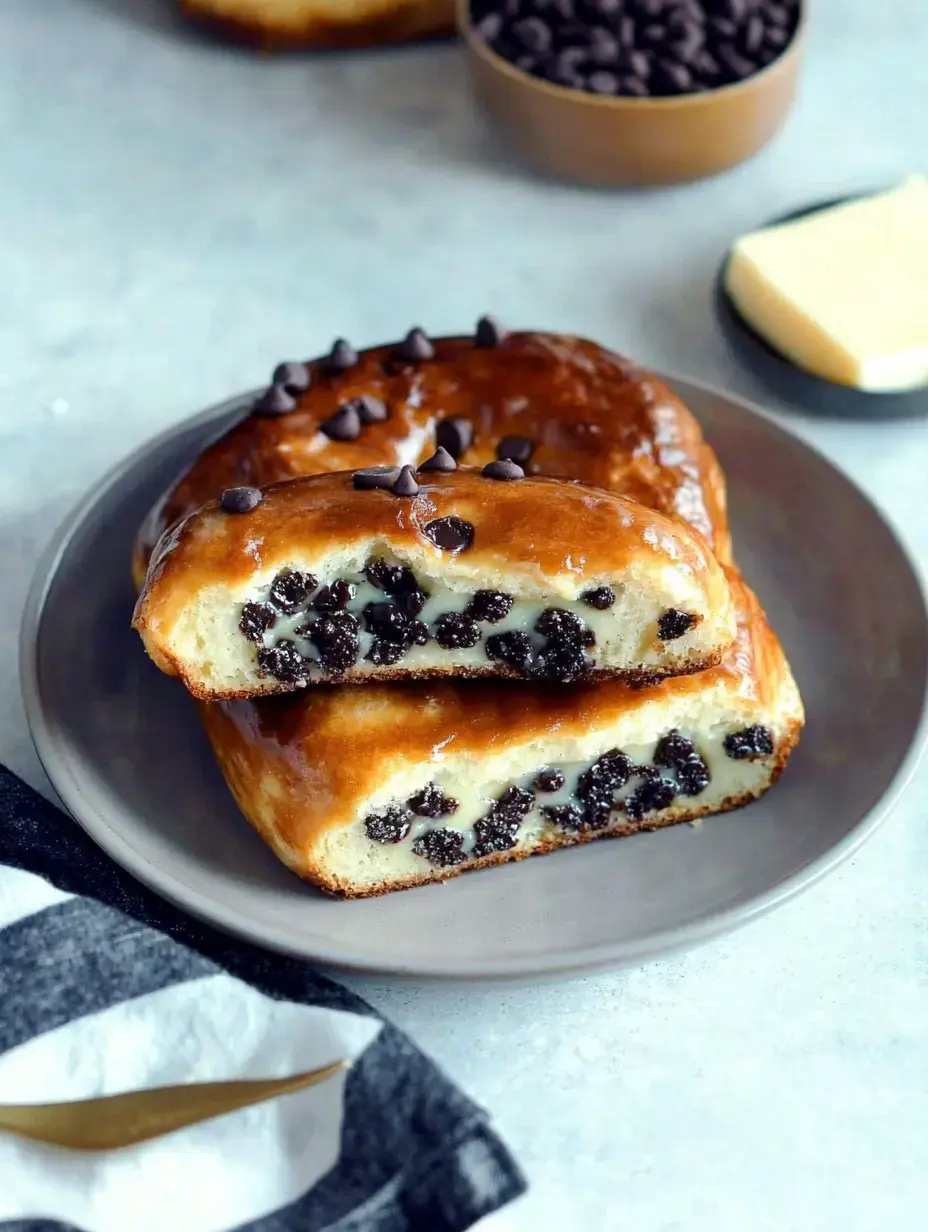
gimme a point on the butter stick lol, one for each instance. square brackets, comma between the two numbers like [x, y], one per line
[843, 293]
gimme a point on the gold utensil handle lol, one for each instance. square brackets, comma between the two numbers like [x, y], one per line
[109, 1122]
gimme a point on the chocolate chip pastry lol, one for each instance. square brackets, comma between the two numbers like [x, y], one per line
[371, 788]
[389, 573]
[274, 24]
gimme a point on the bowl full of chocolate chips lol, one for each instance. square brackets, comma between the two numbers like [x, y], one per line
[634, 92]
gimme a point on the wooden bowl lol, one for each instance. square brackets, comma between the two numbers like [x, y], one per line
[589, 139]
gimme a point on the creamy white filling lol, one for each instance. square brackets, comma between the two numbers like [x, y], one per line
[624, 634]
[728, 778]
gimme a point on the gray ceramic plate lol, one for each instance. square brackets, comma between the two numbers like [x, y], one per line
[122, 746]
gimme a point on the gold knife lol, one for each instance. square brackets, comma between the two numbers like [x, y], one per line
[109, 1122]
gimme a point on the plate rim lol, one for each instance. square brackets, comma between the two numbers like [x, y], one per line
[608, 956]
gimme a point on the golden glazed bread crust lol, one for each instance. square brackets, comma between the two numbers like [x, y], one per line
[591, 415]
[288, 24]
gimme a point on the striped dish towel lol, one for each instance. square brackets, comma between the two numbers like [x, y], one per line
[104, 987]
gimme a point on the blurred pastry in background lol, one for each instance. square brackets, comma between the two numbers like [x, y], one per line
[279, 24]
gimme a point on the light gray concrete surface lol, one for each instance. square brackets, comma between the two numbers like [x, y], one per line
[175, 217]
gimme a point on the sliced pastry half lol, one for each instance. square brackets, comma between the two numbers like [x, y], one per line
[442, 572]
[367, 790]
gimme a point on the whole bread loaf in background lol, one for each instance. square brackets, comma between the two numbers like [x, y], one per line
[279, 24]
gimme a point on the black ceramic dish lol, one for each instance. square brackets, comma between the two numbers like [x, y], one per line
[793, 384]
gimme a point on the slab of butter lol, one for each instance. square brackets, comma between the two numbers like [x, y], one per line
[843, 293]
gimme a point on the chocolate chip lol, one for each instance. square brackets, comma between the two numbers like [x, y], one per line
[604, 47]
[558, 623]
[689, 45]
[564, 816]
[675, 752]
[562, 662]
[600, 82]
[341, 357]
[412, 601]
[514, 649]
[455, 631]
[533, 33]
[414, 348]
[451, 534]
[431, 801]
[600, 597]
[335, 596]
[292, 376]
[498, 830]
[369, 409]
[723, 27]
[383, 653]
[598, 807]
[503, 469]
[376, 477]
[495, 832]
[489, 332]
[674, 623]
[336, 638]
[652, 795]
[752, 36]
[738, 9]
[255, 621]
[387, 621]
[750, 742]
[344, 425]
[421, 635]
[240, 500]
[675, 77]
[276, 400]
[406, 484]
[490, 606]
[706, 65]
[394, 579]
[489, 27]
[284, 662]
[612, 770]
[441, 460]
[442, 848]
[290, 590]
[455, 435]
[517, 449]
[514, 802]
[738, 65]
[638, 63]
[390, 826]
[549, 780]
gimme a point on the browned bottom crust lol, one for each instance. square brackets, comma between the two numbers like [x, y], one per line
[423, 19]
[784, 749]
[636, 678]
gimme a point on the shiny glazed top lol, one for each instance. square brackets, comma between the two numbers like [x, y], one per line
[589, 414]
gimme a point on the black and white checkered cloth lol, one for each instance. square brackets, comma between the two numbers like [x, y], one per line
[416, 1155]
